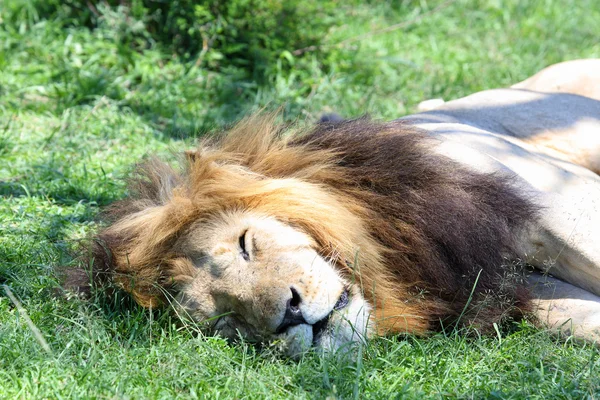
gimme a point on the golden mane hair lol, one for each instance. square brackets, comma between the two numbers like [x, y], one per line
[426, 239]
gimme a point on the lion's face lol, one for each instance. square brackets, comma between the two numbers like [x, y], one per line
[257, 277]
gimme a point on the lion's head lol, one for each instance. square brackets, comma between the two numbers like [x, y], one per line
[319, 238]
[252, 275]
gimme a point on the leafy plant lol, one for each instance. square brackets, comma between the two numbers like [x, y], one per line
[249, 35]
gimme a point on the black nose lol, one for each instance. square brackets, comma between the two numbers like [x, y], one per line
[293, 315]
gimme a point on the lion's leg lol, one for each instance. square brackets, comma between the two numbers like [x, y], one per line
[580, 77]
[564, 308]
[579, 143]
[565, 244]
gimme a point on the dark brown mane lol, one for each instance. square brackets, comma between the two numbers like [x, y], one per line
[449, 230]
[429, 240]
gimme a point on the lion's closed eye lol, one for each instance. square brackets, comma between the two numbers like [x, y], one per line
[245, 245]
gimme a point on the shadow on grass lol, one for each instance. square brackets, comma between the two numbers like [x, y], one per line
[222, 108]
[181, 108]
[12, 189]
[47, 182]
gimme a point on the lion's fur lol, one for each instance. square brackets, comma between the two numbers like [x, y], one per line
[427, 240]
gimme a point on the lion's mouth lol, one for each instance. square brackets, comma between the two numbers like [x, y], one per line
[320, 326]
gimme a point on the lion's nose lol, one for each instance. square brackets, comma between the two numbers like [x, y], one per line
[293, 316]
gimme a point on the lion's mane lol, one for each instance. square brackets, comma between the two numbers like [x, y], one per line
[428, 240]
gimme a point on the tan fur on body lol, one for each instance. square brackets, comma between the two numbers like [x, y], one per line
[579, 77]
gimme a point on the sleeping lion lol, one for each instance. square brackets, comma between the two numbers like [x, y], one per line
[324, 236]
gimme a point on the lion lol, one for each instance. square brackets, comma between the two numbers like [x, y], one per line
[324, 236]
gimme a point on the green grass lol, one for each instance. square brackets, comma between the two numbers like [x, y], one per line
[77, 109]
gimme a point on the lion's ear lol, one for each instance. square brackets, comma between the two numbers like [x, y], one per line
[191, 156]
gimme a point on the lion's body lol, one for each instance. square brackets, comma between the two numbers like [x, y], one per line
[353, 228]
[546, 132]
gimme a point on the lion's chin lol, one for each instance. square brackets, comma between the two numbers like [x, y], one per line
[344, 330]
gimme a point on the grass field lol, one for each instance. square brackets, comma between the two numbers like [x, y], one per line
[78, 108]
